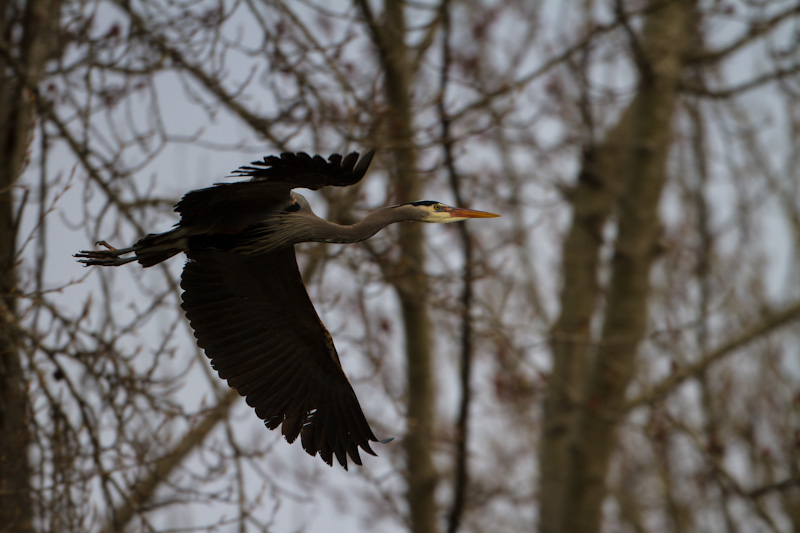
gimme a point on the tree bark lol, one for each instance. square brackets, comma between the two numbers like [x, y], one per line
[36, 25]
[593, 200]
[592, 437]
[409, 281]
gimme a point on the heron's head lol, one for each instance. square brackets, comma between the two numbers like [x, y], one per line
[438, 212]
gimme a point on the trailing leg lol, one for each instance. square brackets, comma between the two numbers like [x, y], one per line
[149, 251]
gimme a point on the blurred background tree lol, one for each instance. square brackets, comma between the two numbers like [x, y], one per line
[619, 352]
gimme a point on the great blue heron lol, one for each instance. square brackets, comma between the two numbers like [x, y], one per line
[246, 301]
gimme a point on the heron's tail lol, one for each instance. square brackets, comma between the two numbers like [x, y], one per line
[150, 250]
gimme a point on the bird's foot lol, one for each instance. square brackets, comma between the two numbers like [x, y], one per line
[109, 257]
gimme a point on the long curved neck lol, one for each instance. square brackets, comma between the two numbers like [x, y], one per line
[367, 227]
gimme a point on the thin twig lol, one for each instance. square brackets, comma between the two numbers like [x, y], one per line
[770, 323]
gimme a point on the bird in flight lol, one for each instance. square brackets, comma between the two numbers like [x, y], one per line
[245, 298]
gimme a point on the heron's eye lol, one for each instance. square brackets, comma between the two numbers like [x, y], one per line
[437, 207]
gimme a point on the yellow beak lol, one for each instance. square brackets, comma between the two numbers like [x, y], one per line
[468, 213]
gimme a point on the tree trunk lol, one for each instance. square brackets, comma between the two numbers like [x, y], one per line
[410, 281]
[35, 25]
[593, 200]
[592, 436]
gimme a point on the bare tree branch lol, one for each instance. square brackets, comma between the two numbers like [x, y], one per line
[144, 490]
[723, 93]
[772, 321]
[756, 30]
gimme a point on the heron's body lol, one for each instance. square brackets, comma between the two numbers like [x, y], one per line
[246, 301]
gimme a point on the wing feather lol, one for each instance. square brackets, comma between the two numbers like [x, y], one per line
[301, 170]
[255, 321]
[229, 208]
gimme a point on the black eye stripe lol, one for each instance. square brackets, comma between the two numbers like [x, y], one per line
[436, 206]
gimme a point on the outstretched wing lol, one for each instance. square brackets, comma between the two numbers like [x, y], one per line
[255, 321]
[231, 207]
[303, 170]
